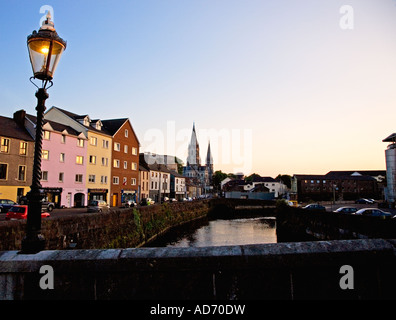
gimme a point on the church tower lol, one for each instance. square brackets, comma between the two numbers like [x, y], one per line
[209, 163]
[193, 158]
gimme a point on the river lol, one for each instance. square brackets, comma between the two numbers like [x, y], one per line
[219, 232]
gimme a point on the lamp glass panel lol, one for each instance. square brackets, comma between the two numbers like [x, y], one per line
[39, 51]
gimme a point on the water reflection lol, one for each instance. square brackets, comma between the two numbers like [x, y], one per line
[222, 232]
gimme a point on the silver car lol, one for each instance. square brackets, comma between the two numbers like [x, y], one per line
[98, 206]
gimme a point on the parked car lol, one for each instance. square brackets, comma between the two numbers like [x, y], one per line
[373, 212]
[5, 205]
[98, 206]
[20, 212]
[349, 210]
[363, 201]
[45, 204]
[314, 206]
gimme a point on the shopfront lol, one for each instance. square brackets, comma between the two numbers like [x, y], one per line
[128, 195]
[53, 195]
[97, 194]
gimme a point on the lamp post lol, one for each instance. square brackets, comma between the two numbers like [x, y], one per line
[45, 49]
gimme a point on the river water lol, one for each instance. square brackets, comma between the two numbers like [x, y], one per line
[220, 232]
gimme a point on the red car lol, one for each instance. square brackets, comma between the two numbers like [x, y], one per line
[20, 212]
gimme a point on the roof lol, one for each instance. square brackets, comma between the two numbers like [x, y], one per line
[9, 128]
[371, 173]
[391, 138]
[113, 125]
[309, 176]
[339, 176]
[78, 118]
[263, 179]
[59, 127]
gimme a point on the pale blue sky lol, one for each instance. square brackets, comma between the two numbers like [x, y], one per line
[304, 94]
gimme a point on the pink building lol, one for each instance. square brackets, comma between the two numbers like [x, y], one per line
[63, 164]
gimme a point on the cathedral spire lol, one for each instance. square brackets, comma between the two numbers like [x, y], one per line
[193, 158]
[209, 158]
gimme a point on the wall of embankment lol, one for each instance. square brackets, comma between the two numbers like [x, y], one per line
[119, 228]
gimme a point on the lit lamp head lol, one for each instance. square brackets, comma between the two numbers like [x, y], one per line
[45, 49]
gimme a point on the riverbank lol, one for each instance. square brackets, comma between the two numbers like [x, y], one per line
[119, 228]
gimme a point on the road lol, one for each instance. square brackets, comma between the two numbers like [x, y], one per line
[76, 211]
[59, 213]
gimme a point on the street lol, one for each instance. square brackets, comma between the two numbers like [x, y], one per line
[329, 208]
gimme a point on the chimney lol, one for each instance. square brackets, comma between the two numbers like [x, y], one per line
[19, 117]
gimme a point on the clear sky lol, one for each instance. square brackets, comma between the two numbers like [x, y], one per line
[286, 86]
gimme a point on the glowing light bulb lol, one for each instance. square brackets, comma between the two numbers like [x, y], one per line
[44, 50]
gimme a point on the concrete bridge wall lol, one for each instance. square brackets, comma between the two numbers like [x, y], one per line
[301, 270]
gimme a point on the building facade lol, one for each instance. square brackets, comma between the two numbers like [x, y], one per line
[16, 157]
[390, 160]
[125, 161]
[62, 174]
[99, 151]
[338, 185]
[144, 181]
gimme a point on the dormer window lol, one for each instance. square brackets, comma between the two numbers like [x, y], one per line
[98, 125]
[86, 121]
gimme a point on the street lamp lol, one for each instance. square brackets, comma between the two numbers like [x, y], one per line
[45, 49]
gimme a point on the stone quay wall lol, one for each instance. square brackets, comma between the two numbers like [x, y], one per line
[119, 228]
[297, 224]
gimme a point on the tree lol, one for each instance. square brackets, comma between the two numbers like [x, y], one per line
[285, 178]
[218, 176]
[252, 177]
[179, 165]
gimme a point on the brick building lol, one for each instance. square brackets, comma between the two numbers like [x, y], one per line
[124, 184]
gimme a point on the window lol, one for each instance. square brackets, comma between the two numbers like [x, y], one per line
[47, 135]
[117, 146]
[134, 151]
[44, 176]
[21, 173]
[103, 179]
[79, 178]
[63, 139]
[80, 143]
[125, 149]
[3, 171]
[93, 141]
[62, 157]
[116, 180]
[91, 178]
[5, 145]
[92, 159]
[133, 181]
[105, 161]
[45, 155]
[125, 164]
[61, 175]
[116, 163]
[124, 181]
[134, 166]
[79, 159]
[23, 148]
[126, 133]
[105, 144]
